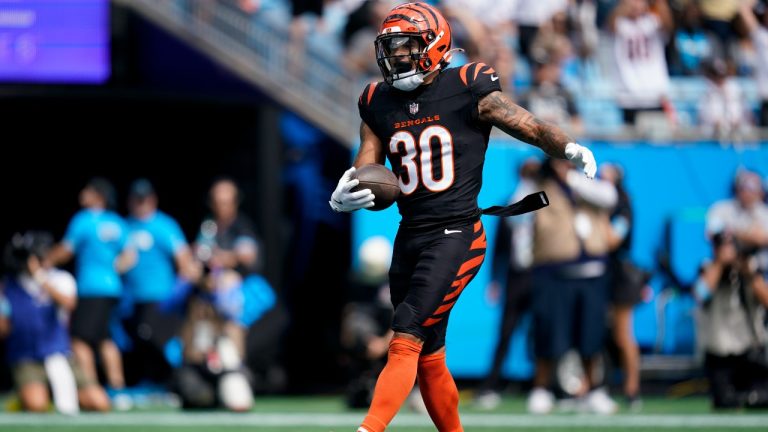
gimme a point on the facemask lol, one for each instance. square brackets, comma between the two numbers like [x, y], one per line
[409, 83]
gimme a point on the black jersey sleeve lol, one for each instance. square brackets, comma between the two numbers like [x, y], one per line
[364, 103]
[480, 78]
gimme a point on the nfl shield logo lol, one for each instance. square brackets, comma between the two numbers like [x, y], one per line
[413, 108]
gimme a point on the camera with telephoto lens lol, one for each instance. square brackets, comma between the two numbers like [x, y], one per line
[746, 254]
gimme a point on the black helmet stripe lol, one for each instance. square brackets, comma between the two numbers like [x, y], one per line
[431, 12]
[405, 17]
[424, 17]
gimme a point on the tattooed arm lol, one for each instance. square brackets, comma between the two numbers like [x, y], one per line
[496, 109]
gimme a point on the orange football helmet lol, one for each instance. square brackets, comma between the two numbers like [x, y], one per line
[414, 39]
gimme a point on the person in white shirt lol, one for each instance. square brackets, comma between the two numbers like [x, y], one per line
[722, 111]
[640, 30]
[758, 32]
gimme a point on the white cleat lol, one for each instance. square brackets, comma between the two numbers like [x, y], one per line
[540, 401]
[487, 400]
[598, 402]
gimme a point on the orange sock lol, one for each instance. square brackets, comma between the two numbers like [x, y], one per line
[439, 392]
[394, 384]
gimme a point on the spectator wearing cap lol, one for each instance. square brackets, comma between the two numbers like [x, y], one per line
[98, 240]
[745, 215]
[723, 113]
[162, 250]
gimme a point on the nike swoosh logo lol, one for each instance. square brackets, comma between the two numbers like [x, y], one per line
[447, 231]
[494, 77]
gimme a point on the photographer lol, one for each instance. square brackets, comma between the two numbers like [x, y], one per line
[745, 215]
[733, 295]
[35, 304]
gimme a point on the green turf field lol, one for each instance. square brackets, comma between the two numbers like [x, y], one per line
[316, 414]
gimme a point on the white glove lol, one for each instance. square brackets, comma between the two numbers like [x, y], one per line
[582, 157]
[342, 200]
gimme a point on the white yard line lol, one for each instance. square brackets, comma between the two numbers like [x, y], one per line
[343, 420]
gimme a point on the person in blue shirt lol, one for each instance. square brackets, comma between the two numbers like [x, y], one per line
[97, 238]
[35, 303]
[692, 43]
[162, 250]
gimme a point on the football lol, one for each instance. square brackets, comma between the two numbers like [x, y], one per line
[381, 181]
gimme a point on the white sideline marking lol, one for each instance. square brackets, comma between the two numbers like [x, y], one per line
[289, 419]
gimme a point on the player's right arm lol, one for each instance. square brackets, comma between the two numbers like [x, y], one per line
[371, 151]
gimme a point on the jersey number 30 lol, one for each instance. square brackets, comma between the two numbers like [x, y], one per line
[417, 159]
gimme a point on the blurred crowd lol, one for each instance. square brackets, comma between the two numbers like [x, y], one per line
[555, 56]
[144, 307]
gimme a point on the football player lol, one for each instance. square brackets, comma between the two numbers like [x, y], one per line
[433, 124]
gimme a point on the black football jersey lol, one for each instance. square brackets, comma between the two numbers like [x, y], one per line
[434, 141]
